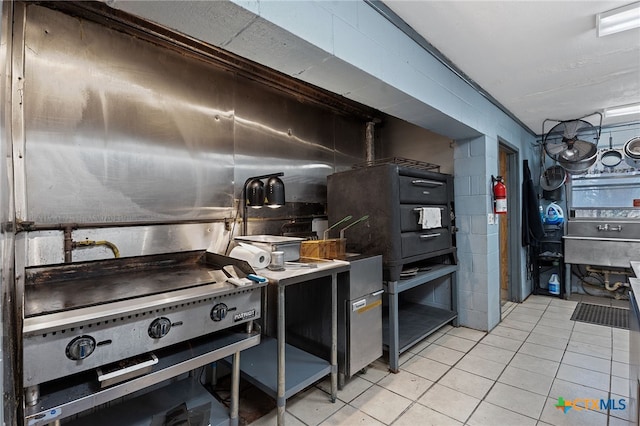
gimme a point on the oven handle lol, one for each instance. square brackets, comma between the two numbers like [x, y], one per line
[127, 370]
[417, 209]
[426, 236]
[422, 182]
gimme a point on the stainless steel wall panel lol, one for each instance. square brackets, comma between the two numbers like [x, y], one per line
[349, 142]
[118, 129]
[16, 114]
[274, 133]
[47, 247]
[121, 129]
[144, 240]
[7, 237]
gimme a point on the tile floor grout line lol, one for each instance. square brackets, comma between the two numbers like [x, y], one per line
[451, 367]
[483, 399]
[502, 372]
[517, 351]
[415, 401]
[555, 376]
[565, 350]
[608, 393]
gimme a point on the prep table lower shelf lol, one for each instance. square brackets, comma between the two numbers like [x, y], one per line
[405, 323]
[74, 394]
[415, 322]
[259, 367]
[152, 408]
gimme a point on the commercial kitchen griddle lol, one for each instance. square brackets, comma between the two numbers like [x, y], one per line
[85, 315]
[57, 288]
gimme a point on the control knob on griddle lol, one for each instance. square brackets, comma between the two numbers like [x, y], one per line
[218, 312]
[159, 328]
[80, 348]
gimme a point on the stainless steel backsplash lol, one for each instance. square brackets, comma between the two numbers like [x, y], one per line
[118, 129]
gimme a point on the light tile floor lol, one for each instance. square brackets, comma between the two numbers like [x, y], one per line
[513, 375]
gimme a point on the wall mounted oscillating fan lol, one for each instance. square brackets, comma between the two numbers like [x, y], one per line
[573, 144]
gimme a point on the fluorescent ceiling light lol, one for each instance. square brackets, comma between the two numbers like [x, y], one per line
[619, 19]
[622, 110]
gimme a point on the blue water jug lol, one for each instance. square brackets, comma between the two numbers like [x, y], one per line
[554, 284]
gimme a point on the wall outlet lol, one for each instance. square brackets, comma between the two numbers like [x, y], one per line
[491, 219]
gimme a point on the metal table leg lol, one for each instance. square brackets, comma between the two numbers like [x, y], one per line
[280, 401]
[334, 337]
[394, 339]
[454, 296]
[567, 281]
[235, 389]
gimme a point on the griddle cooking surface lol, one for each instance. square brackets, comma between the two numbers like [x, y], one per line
[72, 286]
[62, 296]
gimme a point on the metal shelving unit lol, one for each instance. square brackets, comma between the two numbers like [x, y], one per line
[407, 323]
[549, 259]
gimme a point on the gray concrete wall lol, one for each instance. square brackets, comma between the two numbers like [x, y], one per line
[399, 138]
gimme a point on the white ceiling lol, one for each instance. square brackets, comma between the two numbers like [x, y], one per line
[539, 59]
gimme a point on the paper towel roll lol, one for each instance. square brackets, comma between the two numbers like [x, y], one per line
[255, 257]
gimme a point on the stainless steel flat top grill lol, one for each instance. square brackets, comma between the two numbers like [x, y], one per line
[57, 288]
[86, 315]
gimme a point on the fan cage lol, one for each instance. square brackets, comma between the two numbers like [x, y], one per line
[571, 141]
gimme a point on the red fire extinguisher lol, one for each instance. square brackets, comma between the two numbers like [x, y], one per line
[499, 195]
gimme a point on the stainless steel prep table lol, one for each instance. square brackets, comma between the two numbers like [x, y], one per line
[304, 368]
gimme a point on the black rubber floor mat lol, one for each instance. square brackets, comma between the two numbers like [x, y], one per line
[601, 315]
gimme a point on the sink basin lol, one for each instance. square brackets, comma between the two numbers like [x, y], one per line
[602, 242]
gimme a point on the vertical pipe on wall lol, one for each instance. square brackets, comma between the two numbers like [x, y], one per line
[369, 137]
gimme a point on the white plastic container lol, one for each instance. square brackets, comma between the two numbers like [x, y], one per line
[554, 284]
[555, 215]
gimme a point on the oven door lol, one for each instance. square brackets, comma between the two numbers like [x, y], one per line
[423, 242]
